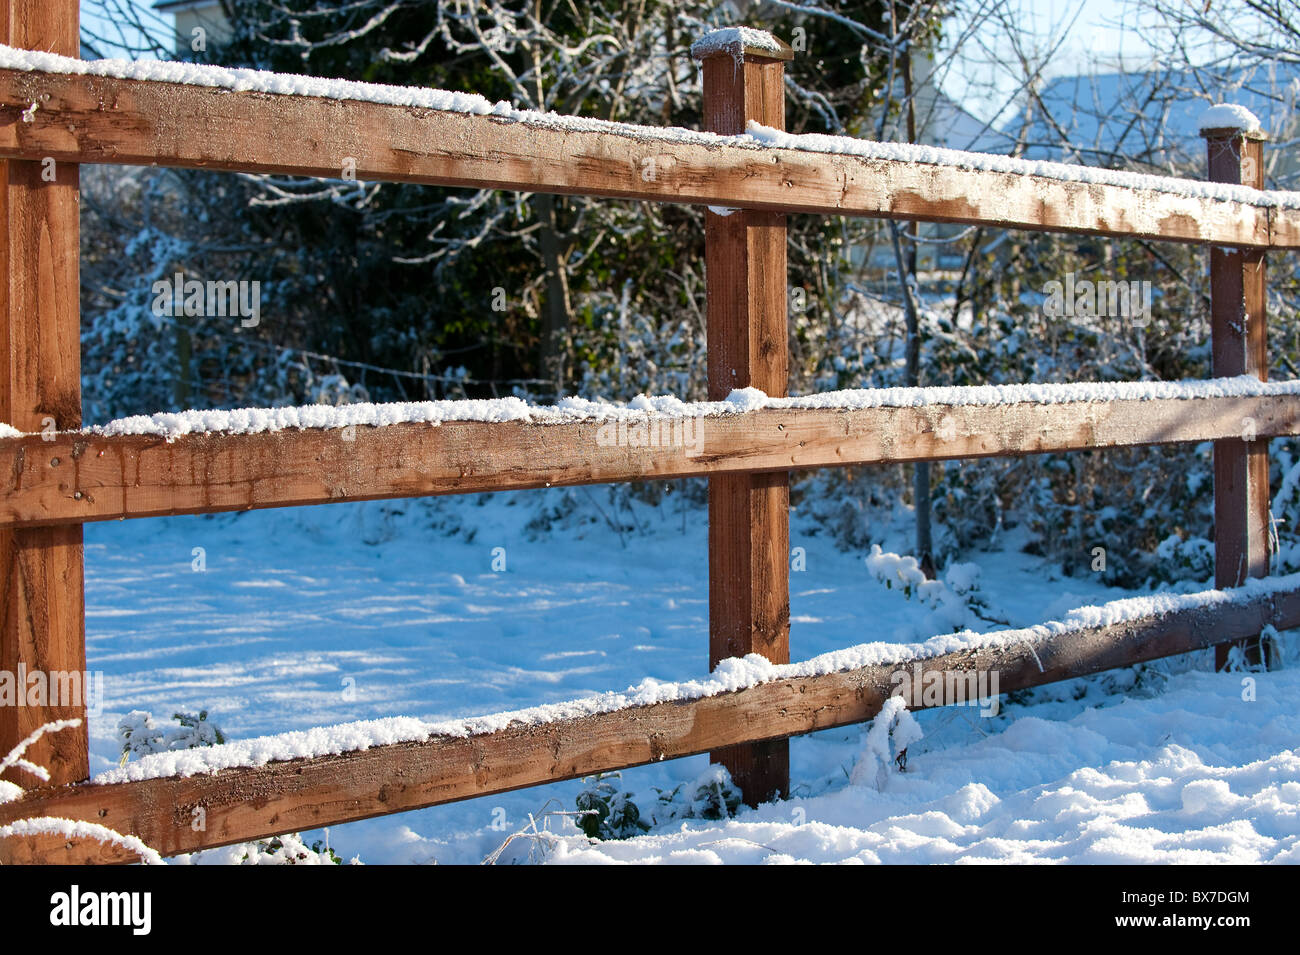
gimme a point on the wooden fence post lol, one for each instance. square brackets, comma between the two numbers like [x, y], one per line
[1239, 343]
[745, 261]
[41, 570]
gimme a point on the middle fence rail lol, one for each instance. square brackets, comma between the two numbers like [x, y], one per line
[111, 476]
[751, 173]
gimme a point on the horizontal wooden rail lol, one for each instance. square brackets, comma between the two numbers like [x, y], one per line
[250, 803]
[78, 477]
[88, 119]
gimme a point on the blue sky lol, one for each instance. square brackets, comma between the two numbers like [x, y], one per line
[1093, 34]
[92, 21]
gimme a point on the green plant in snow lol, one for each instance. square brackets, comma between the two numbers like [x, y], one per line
[712, 795]
[288, 850]
[613, 813]
[609, 812]
[140, 735]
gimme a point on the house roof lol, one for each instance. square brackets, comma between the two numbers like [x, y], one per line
[174, 6]
[1152, 115]
[944, 122]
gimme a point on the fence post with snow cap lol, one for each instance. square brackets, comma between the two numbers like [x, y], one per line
[749, 519]
[1239, 346]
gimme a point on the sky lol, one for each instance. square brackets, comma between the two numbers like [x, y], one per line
[1093, 34]
[1103, 28]
[92, 21]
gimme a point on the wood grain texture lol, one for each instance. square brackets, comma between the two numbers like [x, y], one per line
[80, 477]
[748, 347]
[41, 570]
[1239, 346]
[135, 122]
[50, 849]
[243, 804]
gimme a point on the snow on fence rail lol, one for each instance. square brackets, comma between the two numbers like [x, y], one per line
[147, 113]
[262, 787]
[202, 462]
[745, 440]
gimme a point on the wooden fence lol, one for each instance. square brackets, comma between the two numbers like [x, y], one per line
[59, 477]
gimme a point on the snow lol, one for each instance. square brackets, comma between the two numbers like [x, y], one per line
[291, 84]
[1191, 776]
[643, 408]
[1228, 116]
[992, 162]
[292, 850]
[257, 420]
[15, 756]
[905, 569]
[736, 41]
[962, 577]
[757, 136]
[313, 616]
[891, 732]
[730, 675]
[251, 81]
[75, 830]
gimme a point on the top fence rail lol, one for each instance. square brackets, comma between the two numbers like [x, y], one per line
[183, 115]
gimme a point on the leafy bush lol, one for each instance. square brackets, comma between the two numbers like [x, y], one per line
[140, 735]
[612, 813]
[711, 795]
[288, 850]
[956, 602]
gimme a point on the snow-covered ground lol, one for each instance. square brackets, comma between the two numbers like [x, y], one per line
[296, 618]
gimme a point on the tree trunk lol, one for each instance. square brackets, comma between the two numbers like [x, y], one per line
[555, 310]
[907, 271]
[184, 357]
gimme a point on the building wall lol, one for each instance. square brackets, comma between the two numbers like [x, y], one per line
[209, 17]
